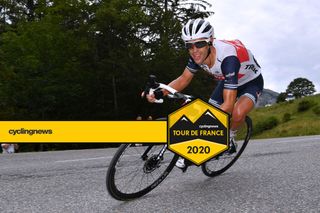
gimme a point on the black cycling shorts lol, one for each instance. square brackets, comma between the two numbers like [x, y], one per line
[252, 90]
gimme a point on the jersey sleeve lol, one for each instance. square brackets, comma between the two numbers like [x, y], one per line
[192, 66]
[230, 67]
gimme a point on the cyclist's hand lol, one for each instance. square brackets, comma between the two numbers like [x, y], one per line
[158, 94]
[150, 98]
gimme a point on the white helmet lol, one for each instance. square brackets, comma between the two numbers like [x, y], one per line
[197, 28]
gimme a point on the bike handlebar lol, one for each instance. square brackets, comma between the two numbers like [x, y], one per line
[152, 86]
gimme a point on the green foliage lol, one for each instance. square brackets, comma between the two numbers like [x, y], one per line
[301, 123]
[281, 97]
[265, 124]
[301, 87]
[305, 105]
[89, 60]
[286, 117]
[316, 110]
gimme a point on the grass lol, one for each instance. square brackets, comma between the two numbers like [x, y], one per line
[295, 123]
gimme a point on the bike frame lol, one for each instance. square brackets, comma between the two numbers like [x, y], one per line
[132, 178]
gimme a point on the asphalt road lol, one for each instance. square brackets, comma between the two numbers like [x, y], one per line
[274, 175]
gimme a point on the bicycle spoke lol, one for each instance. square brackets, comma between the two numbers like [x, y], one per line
[224, 161]
[129, 175]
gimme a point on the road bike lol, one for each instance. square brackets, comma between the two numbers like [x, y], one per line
[136, 169]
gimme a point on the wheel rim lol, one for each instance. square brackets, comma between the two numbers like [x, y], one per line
[224, 161]
[134, 176]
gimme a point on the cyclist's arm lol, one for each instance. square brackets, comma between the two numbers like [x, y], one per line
[181, 82]
[230, 68]
[178, 84]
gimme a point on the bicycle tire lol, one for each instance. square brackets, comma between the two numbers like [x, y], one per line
[212, 167]
[147, 166]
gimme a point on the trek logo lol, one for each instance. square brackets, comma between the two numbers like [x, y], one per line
[251, 67]
[198, 131]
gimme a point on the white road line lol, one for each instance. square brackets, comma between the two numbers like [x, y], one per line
[305, 139]
[312, 139]
[82, 159]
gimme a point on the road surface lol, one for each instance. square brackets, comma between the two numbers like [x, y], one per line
[273, 175]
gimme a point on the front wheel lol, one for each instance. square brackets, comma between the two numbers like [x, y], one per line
[225, 160]
[135, 170]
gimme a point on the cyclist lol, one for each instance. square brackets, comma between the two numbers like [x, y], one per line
[230, 62]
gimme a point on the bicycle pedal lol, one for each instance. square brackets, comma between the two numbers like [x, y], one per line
[233, 147]
[231, 150]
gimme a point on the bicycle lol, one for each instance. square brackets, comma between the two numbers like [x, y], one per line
[136, 170]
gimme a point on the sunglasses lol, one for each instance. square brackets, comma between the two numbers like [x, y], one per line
[197, 44]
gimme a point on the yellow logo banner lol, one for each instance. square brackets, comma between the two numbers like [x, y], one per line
[83, 131]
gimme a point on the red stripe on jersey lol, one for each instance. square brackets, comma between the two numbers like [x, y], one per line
[240, 75]
[242, 52]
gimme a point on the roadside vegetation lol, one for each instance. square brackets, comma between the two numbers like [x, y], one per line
[88, 60]
[291, 118]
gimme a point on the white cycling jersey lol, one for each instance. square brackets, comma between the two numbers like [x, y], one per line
[228, 56]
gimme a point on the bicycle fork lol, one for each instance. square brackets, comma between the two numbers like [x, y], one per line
[144, 156]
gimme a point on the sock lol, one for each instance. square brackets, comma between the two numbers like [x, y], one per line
[233, 133]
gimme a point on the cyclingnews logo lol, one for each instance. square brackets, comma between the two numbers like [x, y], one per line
[30, 132]
[198, 131]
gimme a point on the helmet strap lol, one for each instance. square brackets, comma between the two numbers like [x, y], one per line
[209, 50]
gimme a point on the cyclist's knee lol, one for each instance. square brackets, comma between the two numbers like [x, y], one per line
[238, 116]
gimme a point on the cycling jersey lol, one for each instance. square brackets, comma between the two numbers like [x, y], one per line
[234, 64]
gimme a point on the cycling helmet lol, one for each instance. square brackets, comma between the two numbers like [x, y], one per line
[197, 28]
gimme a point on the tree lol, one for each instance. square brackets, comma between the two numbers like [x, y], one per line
[150, 32]
[89, 59]
[281, 97]
[301, 87]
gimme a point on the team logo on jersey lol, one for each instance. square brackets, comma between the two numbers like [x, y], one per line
[251, 67]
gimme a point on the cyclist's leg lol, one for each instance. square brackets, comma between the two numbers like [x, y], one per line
[248, 95]
[216, 97]
[241, 108]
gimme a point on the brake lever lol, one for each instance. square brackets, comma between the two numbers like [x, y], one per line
[152, 86]
[157, 101]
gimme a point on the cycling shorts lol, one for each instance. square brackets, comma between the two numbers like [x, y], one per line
[252, 90]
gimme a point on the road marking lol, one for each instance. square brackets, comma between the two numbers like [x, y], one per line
[81, 159]
[310, 139]
[305, 139]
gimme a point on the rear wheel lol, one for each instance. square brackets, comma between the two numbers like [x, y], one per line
[225, 160]
[136, 170]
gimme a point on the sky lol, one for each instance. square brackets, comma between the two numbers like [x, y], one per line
[284, 36]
